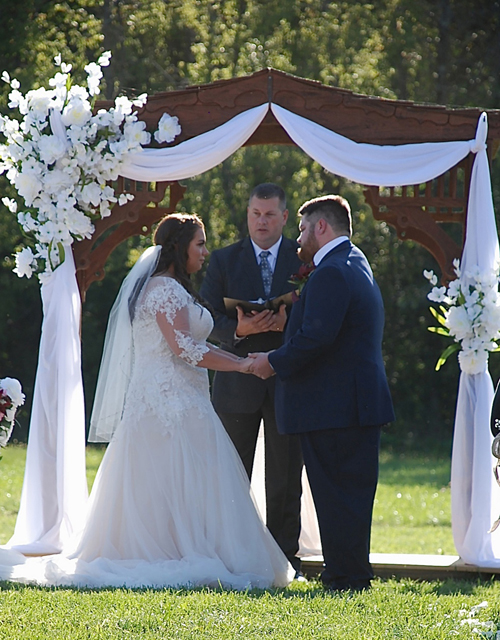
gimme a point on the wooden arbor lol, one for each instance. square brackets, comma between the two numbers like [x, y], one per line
[415, 211]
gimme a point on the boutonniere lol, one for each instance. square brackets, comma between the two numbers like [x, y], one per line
[300, 278]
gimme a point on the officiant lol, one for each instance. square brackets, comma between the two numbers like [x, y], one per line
[258, 268]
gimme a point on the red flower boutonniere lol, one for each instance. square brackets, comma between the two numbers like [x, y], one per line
[300, 278]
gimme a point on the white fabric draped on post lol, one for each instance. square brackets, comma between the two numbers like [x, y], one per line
[364, 163]
[475, 495]
[54, 494]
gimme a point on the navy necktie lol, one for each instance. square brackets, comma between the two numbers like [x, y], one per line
[267, 274]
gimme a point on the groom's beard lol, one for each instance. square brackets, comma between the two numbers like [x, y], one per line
[308, 249]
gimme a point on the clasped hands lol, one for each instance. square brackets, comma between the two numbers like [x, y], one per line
[258, 364]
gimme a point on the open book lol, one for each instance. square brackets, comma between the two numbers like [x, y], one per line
[256, 305]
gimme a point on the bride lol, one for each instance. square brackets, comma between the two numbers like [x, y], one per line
[171, 503]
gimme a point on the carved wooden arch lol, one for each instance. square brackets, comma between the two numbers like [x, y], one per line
[415, 211]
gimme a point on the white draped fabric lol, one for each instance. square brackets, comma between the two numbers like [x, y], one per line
[54, 494]
[364, 163]
[475, 495]
[195, 156]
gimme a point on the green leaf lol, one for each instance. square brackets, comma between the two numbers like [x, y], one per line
[62, 253]
[441, 319]
[447, 352]
[444, 331]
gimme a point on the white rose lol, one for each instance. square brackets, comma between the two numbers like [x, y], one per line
[168, 128]
[80, 224]
[57, 180]
[51, 148]
[458, 322]
[76, 112]
[39, 101]
[91, 193]
[24, 261]
[13, 389]
[28, 186]
[473, 362]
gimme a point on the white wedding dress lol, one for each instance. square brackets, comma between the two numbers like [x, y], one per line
[171, 503]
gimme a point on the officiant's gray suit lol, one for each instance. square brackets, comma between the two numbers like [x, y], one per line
[242, 401]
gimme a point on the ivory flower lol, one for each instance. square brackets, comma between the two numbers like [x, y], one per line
[472, 316]
[168, 128]
[24, 262]
[61, 158]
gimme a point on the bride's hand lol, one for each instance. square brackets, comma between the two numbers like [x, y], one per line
[245, 364]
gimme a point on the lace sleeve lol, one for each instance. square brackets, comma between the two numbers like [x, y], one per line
[170, 302]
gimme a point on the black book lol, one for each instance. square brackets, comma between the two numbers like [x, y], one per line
[248, 306]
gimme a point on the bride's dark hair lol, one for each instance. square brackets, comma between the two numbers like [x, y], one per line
[174, 233]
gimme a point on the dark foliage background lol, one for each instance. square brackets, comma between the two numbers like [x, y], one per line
[444, 51]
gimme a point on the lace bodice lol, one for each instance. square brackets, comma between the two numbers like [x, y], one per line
[165, 380]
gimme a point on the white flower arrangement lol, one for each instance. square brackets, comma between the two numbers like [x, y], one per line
[61, 158]
[469, 312]
[11, 397]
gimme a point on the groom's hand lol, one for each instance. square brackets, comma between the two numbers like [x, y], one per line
[260, 366]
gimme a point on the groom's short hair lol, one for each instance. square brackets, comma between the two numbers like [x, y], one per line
[332, 208]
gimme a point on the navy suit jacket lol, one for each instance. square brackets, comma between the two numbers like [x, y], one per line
[233, 272]
[330, 369]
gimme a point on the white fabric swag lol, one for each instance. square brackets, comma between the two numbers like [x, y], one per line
[474, 495]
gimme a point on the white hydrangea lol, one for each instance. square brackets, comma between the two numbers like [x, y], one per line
[470, 314]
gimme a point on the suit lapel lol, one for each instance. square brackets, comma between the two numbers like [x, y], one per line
[284, 268]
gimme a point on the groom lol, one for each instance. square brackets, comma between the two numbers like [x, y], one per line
[332, 389]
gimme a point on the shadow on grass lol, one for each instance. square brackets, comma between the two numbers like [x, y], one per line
[387, 588]
[401, 469]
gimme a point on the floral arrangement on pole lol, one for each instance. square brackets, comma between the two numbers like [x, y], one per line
[11, 397]
[61, 158]
[469, 312]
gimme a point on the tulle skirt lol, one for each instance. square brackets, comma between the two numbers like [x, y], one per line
[168, 508]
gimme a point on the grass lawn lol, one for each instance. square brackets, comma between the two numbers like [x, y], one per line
[412, 515]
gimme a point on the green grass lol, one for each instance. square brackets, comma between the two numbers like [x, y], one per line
[412, 514]
[392, 609]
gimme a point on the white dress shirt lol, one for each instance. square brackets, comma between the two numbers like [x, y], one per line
[273, 253]
[326, 248]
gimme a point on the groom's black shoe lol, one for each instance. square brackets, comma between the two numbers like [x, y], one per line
[334, 588]
[341, 586]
